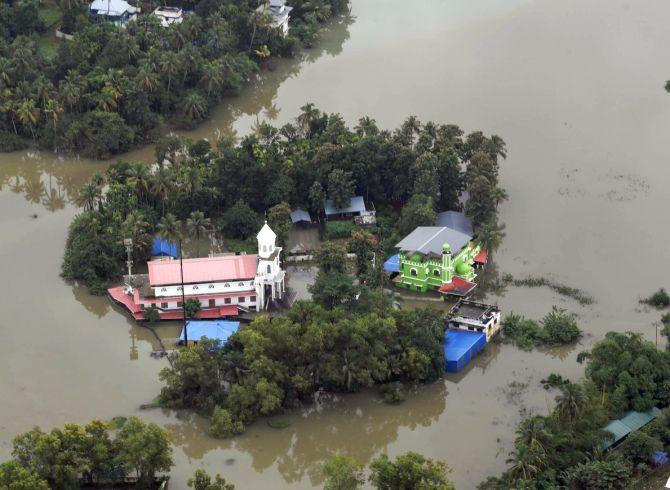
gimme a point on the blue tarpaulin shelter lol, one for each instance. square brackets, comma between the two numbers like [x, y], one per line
[214, 329]
[163, 248]
[660, 458]
[460, 347]
[392, 264]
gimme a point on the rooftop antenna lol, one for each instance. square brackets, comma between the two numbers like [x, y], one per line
[128, 243]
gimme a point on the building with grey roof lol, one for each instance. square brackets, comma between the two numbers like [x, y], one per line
[429, 240]
[456, 221]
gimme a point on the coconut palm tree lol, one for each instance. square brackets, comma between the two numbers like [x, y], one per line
[161, 185]
[137, 228]
[89, 195]
[6, 72]
[28, 114]
[571, 402]
[198, 226]
[52, 111]
[168, 64]
[489, 235]
[194, 106]
[212, 78]
[138, 175]
[147, 79]
[169, 227]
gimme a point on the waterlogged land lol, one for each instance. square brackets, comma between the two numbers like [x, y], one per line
[574, 88]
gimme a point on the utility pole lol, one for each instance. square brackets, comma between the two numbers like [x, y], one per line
[128, 242]
[183, 296]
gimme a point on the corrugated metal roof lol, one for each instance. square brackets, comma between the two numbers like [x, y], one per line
[300, 216]
[114, 8]
[356, 205]
[207, 269]
[456, 221]
[630, 422]
[216, 330]
[430, 239]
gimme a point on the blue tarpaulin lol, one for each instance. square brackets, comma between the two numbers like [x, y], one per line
[660, 458]
[163, 248]
[215, 329]
[461, 347]
[392, 264]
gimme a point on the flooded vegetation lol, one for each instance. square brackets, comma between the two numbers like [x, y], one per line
[586, 137]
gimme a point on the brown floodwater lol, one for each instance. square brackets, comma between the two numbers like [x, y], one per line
[576, 90]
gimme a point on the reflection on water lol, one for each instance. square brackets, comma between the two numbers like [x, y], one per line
[317, 432]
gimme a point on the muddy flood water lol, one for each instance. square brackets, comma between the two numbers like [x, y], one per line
[576, 90]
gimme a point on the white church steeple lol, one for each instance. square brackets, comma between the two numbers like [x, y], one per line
[266, 241]
[269, 275]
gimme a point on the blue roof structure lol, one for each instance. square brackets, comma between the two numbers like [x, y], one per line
[460, 347]
[163, 248]
[356, 205]
[456, 221]
[214, 329]
[660, 458]
[392, 264]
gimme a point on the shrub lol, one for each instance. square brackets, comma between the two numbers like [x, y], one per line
[151, 314]
[339, 229]
[611, 474]
[11, 142]
[560, 327]
[523, 332]
[223, 424]
[660, 299]
[192, 307]
[639, 447]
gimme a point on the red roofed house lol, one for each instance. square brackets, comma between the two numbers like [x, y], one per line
[223, 284]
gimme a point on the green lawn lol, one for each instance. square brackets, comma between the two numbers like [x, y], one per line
[47, 43]
[50, 15]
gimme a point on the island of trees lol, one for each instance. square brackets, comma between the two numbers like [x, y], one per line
[111, 88]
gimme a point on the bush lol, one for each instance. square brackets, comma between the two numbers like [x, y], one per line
[99, 134]
[223, 424]
[11, 142]
[192, 307]
[151, 314]
[525, 333]
[611, 474]
[560, 327]
[660, 299]
[639, 447]
[339, 229]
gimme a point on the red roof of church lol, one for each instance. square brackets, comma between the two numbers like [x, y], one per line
[457, 287]
[206, 269]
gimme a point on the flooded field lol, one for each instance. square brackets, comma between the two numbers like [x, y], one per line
[576, 90]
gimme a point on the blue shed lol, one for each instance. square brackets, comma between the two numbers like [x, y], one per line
[392, 264]
[163, 248]
[460, 347]
[212, 329]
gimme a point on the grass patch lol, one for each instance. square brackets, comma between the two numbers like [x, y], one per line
[150, 405]
[47, 45]
[118, 422]
[49, 16]
[578, 295]
[279, 423]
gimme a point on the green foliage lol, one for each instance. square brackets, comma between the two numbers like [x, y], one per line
[279, 219]
[639, 447]
[631, 371]
[363, 244]
[280, 362]
[340, 188]
[240, 221]
[192, 307]
[202, 481]
[339, 229]
[110, 88]
[331, 257]
[410, 470]
[535, 282]
[11, 142]
[76, 455]
[332, 289]
[557, 328]
[608, 474]
[144, 448]
[13, 476]
[151, 314]
[419, 211]
[560, 327]
[343, 473]
[660, 299]
[223, 424]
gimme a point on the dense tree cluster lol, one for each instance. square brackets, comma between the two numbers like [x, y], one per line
[281, 362]
[87, 456]
[409, 470]
[565, 448]
[277, 169]
[110, 87]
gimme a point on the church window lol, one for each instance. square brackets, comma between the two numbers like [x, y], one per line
[195, 287]
[413, 272]
[437, 272]
[269, 269]
[211, 286]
